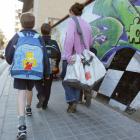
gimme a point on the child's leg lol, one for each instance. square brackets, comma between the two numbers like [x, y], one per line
[21, 102]
[21, 85]
[40, 88]
[41, 94]
[29, 95]
[47, 88]
[21, 114]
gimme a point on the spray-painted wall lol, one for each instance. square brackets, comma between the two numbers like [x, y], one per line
[116, 37]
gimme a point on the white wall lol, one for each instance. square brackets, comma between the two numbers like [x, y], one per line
[56, 9]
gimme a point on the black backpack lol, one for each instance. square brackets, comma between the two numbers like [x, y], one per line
[53, 54]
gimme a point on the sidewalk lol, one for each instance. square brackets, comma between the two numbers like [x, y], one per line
[98, 122]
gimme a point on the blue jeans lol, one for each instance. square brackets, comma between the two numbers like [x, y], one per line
[72, 94]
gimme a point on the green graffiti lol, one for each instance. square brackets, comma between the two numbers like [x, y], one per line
[104, 8]
[114, 27]
[126, 12]
[120, 16]
[95, 31]
[138, 8]
[101, 50]
[113, 33]
[116, 23]
[134, 31]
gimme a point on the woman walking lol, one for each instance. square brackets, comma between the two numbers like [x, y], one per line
[73, 44]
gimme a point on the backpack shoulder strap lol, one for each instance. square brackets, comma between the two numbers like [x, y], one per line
[20, 34]
[36, 36]
[79, 29]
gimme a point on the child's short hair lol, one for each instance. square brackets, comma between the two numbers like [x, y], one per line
[46, 29]
[27, 20]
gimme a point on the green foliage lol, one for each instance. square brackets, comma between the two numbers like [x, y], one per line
[2, 38]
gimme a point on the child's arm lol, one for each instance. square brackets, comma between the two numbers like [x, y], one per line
[9, 53]
[46, 59]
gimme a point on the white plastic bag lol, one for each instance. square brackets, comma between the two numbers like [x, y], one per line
[85, 72]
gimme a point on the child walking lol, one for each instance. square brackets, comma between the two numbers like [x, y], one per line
[44, 86]
[25, 51]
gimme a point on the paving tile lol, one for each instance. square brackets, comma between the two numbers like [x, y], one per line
[76, 132]
[103, 138]
[98, 134]
[81, 137]
[101, 127]
[120, 135]
[89, 136]
[47, 135]
[88, 124]
[112, 137]
[84, 130]
[38, 136]
[61, 124]
[135, 138]
[67, 134]
[64, 129]
[62, 139]
[127, 139]
[71, 138]
[93, 129]
[58, 135]
[6, 137]
[106, 132]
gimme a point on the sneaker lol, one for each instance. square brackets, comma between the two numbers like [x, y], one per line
[74, 111]
[21, 132]
[40, 103]
[28, 111]
[44, 108]
[88, 100]
[72, 106]
[80, 102]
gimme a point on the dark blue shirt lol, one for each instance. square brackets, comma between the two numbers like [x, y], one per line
[10, 50]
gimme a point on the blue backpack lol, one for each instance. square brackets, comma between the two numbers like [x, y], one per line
[28, 58]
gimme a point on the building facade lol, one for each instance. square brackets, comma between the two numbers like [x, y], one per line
[51, 10]
[18, 11]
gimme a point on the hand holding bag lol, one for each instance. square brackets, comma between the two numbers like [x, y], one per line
[87, 69]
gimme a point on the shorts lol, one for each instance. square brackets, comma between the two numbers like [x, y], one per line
[22, 84]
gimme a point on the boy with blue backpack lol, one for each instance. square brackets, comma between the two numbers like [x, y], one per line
[27, 53]
[44, 86]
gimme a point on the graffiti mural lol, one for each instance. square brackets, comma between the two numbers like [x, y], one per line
[116, 37]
